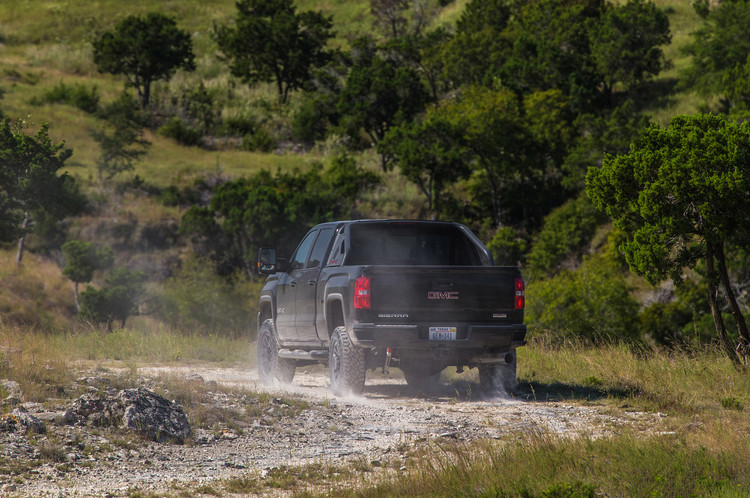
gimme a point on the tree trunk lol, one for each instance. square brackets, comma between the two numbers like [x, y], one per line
[716, 312]
[22, 240]
[493, 194]
[146, 94]
[739, 318]
[75, 295]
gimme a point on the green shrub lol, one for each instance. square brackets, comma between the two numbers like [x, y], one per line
[175, 129]
[117, 300]
[77, 95]
[508, 246]
[566, 233]
[732, 403]
[590, 303]
[312, 119]
[681, 320]
[259, 141]
[239, 125]
[197, 299]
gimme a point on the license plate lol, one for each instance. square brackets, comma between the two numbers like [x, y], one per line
[442, 333]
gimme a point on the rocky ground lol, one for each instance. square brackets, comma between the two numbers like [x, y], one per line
[298, 425]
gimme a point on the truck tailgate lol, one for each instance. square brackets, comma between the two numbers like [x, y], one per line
[444, 293]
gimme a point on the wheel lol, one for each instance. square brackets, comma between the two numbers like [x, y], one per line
[270, 366]
[346, 364]
[422, 377]
[498, 377]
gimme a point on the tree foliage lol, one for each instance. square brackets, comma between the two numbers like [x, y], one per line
[430, 153]
[82, 259]
[552, 49]
[30, 181]
[591, 303]
[116, 300]
[271, 209]
[627, 42]
[681, 195]
[271, 41]
[506, 161]
[121, 139]
[566, 233]
[145, 50]
[379, 93]
[720, 48]
[481, 45]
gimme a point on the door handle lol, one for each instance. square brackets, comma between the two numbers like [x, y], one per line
[293, 284]
[311, 282]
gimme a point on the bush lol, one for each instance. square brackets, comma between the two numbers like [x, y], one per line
[591, 303]
[117, 300]
[239, 125]
[198, 299]
[566, 232]
[175, 129]
[260, 141]
[508, 247]
[311, 121]
[77, 95]
[681, 320]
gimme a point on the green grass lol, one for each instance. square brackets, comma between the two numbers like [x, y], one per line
[699, 445]
[700, 448]
[153, 346]
[46, 43]
[682, 21]
[542, 465]
[682, 383]
[165, 163]
[45, 364]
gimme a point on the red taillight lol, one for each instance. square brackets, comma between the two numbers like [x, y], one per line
[519, 300]
[362, 293]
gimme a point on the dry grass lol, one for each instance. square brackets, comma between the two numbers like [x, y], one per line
[39, 365]
[702, 448]
[34, 293]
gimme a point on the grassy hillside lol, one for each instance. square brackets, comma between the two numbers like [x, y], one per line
[682, 21]
[44, 44]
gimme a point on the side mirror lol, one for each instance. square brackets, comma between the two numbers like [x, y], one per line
[269, 264]
[266, 260]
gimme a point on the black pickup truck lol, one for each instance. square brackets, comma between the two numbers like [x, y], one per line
[417, 295]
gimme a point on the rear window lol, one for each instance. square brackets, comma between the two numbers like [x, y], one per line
[413, 244]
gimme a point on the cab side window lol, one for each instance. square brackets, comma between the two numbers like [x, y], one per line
[300, 256]
[320, 248]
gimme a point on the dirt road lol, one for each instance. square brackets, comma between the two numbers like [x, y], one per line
[374, 428]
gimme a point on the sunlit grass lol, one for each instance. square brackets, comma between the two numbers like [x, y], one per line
[543, 465]
[700, 447]
[680, 383]
[35, 292]
[153, 346]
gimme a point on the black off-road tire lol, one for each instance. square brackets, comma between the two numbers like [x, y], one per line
[270, 366]
[346, 365]
[498, 378]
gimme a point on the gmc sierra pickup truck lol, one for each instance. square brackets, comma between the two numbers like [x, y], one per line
[417, 295]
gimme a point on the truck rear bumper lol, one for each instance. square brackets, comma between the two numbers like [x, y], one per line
[413, 340]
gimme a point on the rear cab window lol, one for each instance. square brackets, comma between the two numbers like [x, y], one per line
[409, 243]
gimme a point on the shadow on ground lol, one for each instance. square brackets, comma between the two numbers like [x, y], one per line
[561, 391]
[458, 391]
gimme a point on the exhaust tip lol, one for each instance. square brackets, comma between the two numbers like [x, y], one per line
[509, 358]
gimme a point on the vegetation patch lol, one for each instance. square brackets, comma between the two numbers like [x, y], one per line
[543, 465]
